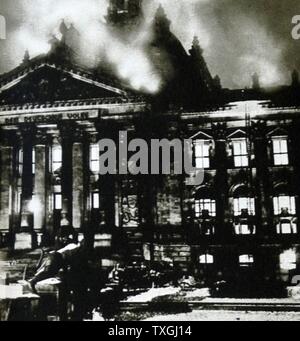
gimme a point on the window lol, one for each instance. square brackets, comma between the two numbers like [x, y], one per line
[57, 201]
[56, 158]
[287, 228]
[240, 153]
[284, 205]
[244, 229]
[202, 154]
[206, 259]
[244, 206]
[33, 160]
[202, 205]
[95, 200]
[246, 260]
[20, 161]
[280, 151]
[288, 260]
[95, 158]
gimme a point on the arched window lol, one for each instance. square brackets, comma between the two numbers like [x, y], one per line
[243, 202]
[284, 203]
[205, 205]
[286, 228]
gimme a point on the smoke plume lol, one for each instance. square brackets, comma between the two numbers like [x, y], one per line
[238, 37]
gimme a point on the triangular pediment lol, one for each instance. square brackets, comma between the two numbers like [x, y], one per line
[201, 136]
[238, 134]
[47, 82]
[277, 132]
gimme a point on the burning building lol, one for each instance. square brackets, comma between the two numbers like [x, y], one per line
[241, 224]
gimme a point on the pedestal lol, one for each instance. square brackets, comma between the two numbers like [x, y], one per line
[23, 241]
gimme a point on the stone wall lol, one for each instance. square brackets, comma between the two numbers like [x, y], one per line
[180, 254]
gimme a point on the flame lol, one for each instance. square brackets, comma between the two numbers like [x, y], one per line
[40, 22]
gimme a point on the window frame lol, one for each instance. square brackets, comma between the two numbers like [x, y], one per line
[277, 207]
[54, 162]
[247, 263]
[20, 161]
[209, 259]
[203, 160]
[282, 151]
[93, 194]
[55, 195]
[201, 203]
[250, 206]
[242, 155]
[94, 161]
[287, 264]
[33, 163]
[293, 228]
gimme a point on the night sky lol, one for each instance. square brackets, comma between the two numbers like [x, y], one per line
[239, 37]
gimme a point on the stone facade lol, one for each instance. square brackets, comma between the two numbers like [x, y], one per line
[242, 222]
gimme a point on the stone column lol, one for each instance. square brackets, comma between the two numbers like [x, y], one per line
[78, 181]
[67, 173]
[264, 216]
[27, 177]
[6, 187]
[23, 238]
[39, 199]
[223, 226]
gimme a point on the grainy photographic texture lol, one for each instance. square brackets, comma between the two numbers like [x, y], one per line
[149, 161]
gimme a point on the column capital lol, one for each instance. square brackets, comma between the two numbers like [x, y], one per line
[219, 131]
[27, 131]
[258, 129]
[72, 133]
[79, 134]
[41, 137]
[66, 131]
[107, 129]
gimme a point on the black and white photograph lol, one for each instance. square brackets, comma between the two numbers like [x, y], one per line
[149, 162]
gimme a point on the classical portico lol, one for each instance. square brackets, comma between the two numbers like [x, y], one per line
[49, 173]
